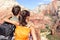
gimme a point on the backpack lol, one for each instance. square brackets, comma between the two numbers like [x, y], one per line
[6, 29]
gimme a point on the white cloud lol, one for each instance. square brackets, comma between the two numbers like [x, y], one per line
[40, 3]
[44, 1]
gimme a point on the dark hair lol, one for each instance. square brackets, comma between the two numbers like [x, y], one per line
[15, 10]
[22, 17]
[25, 13]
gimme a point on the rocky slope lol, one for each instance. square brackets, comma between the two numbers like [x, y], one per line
[40, 8]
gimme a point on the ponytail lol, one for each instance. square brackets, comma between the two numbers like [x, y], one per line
[22, 20]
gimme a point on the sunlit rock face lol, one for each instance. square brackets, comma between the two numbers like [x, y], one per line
[6, 6]
[40, 8]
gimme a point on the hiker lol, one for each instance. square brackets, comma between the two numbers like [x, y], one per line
[8, 27]
[22, 31]
[14, 18]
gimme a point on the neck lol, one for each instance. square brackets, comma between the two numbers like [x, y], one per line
[16, 16]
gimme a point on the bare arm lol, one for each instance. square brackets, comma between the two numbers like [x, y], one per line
[33, 33]
[6, 16]
[13, 22]
[6, 19]
[3, 17]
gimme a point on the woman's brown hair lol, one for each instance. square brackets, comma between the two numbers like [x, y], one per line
[22, 18]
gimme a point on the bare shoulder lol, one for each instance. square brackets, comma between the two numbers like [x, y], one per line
[30, 24]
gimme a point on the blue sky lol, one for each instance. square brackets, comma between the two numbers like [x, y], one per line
[31, 4]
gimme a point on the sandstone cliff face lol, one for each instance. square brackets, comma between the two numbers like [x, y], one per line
[40, 8]
[5, 7]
